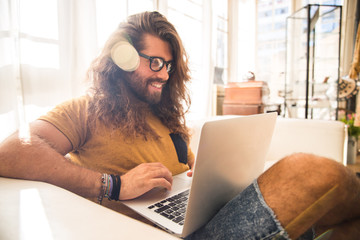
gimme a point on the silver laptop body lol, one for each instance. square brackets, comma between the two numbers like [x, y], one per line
[231, 154]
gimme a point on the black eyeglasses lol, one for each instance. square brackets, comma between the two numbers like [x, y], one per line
[157, 63]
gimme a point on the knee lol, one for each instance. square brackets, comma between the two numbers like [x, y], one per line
[307, 161]
[309, 169]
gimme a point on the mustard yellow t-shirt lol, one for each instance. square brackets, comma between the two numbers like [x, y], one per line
[105, 150]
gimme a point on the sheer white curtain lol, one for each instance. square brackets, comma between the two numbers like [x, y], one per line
[9, 73]
[46, 47]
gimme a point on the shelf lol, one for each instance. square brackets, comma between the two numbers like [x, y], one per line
[313, 56]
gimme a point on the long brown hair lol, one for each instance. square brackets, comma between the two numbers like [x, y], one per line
[111, 103]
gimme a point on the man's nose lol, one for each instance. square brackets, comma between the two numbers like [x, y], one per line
[163, 74]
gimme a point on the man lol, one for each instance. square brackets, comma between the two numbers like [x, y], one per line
[121, 136]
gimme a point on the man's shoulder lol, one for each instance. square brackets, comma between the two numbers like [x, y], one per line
[75, 106]
[78, 102]
[80, 99]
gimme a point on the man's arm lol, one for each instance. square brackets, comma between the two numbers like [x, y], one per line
[41, 158]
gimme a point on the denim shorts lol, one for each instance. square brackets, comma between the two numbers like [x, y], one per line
[247, 216]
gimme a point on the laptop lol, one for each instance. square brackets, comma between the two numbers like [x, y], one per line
[231, 154]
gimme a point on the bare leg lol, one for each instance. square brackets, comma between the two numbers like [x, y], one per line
[296, 182]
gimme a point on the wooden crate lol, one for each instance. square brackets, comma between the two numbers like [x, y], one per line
[242, 109]
[245, 98]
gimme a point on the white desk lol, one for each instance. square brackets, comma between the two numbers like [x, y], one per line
[36, 210]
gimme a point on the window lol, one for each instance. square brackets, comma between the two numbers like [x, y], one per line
[246, 39]
[271, 48]
[221, 22]
[27, 42]
[188, 19]
[184, 14]
[40, 45]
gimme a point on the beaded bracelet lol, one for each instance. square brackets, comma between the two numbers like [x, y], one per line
[110, 187]
[103, 187]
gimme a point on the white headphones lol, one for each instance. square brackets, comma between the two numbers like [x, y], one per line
[125, 55]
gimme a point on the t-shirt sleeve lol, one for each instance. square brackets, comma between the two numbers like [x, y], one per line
[70, 118]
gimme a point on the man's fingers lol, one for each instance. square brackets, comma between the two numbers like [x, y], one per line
[143, 178]
[160, 182]
[191, 164]
[163, 173]
[157, 170]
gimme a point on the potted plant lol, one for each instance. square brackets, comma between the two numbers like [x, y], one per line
[353, 134]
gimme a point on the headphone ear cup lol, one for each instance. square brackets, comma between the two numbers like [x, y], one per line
[125, 56]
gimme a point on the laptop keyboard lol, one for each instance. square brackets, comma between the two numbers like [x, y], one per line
[172, 208]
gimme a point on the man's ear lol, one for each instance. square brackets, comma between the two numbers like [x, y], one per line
[125, 55]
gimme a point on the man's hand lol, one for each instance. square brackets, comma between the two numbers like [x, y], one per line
[143, 178]
[191, 165]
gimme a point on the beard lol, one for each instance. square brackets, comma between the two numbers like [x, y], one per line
[141, 88]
